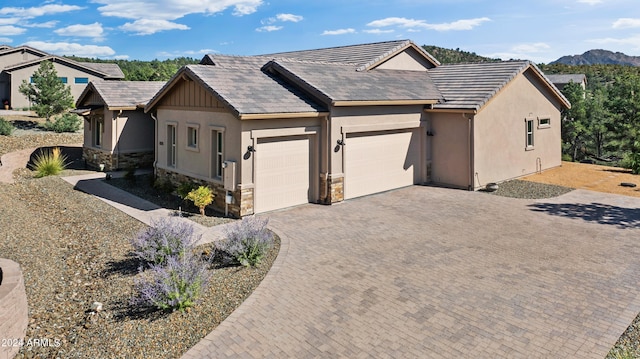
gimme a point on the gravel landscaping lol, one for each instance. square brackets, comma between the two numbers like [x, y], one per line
[74, 250]
[528, 190]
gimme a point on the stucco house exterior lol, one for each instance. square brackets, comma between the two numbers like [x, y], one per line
[561, 80]
[118, 134]
[19, 63]
[327, 125]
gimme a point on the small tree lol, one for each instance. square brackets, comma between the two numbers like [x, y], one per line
[47, 93]
[201, 197]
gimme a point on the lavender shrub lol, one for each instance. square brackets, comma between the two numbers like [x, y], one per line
[165, 238]
[247, 241]
[174, 285]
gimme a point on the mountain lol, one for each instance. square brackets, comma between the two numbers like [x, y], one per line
[451, 56]
[599, 57]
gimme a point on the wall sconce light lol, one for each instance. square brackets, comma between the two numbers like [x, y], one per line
[429, 133]
[341, 143]
[251, 149]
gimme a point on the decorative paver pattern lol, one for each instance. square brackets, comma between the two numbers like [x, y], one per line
[432, 272]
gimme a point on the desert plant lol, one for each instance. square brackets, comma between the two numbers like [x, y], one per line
[162, 184]
[68, 122]
[201, 197]
[247, 241]
[6, 128]
[166, 237]
[176, 284]
[49, 163]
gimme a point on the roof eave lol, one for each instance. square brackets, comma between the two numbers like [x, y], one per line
[382, 103]
[282, 115]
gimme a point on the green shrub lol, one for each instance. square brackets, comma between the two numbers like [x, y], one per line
[68, 122]
[6, 128]
[49, 163]
[566, 157]
[184, 188]
[163, 185]
[201, 197]
[130, 174]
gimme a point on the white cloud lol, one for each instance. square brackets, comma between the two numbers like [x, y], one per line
[188, 53]
[65, 48]
[626, 23]
[174, 9]
[10, 21]
[5, 40]
[289, 17]
[9, 30]
[538, 52]
[148, 27]
[531, 48]
[590, 2]
[378, 31]
[269, 28]
[38, 11]
[633, 41]
[339, 32]
[46, 25]
[464, 24]
[90, 30]
[121, 57]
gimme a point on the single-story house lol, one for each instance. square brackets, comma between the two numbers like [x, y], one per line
[327, 125]
[562, 80]
[118, 133]
[19, 63]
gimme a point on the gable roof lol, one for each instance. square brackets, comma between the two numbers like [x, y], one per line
[23, 48]
[245, 90]
[121, 95]
[340, 85]
[97, 70]
[363, 56]
[471, 86]
[113, 71]
[562, 79]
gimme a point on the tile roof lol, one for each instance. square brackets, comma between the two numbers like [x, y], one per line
[362, 56]
[333, 82]
[471, 86]
[249, 90]
[566, 78]
[112, 71]
[123, 93]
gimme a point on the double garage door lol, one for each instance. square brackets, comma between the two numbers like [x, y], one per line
[287, 170]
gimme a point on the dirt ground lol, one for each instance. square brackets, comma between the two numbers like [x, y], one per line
[592, 177]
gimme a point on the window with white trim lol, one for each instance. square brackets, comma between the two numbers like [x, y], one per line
[529, 129]
[544, 122]
[192, 137]
[217, 153]
[171, 145]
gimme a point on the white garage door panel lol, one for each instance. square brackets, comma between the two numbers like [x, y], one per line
[282, 173]
[380, 162]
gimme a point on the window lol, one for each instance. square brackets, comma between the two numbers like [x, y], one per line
[544, 122]
[81, 80]
[529, 126]
[217, 153]
[63, 79]
[192, 137]
[171, 145]
[98, 131]
[31, 80]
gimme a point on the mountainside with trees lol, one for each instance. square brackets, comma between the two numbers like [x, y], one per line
[451, 56]
[599, 57]
[136, 70]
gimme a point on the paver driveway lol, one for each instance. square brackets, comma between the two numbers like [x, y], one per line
[431, 272]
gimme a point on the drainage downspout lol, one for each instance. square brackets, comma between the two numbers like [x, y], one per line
[155, 144]
[117, 138]
[327, 161]
[470, 154]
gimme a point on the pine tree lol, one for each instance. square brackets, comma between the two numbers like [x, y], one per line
[47, 93]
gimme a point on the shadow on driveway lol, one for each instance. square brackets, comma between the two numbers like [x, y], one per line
[593, 212]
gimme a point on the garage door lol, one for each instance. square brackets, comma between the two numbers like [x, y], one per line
[282, 172]
[380, 161]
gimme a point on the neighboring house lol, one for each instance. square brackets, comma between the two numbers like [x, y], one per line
[19, 63]
[562, 80]
[117, 132]
[322, 126]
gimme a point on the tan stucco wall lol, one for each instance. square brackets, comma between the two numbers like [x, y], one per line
[20, 101]
[449, 149]
[406, 60]
[135, 132]
[500, 132]
[16, 58]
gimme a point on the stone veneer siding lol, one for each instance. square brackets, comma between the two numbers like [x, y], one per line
[13, 308]
[242, 198]
[117, 161]
[336, 189]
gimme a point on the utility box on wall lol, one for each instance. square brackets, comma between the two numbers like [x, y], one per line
[229, 175]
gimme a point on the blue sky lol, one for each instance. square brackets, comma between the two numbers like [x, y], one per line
[538, 30]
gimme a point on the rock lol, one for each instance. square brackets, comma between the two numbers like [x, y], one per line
[96, 307]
